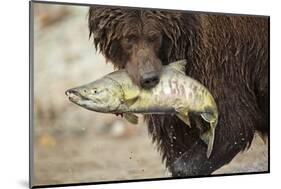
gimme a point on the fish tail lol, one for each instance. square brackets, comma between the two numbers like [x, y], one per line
[209, 137]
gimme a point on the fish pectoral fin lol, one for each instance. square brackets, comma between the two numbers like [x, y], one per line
[132, 118]
[131, 95]
[131, 101]
[208, 137]
[184, 118]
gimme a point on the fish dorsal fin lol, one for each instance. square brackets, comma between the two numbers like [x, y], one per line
[178, 65]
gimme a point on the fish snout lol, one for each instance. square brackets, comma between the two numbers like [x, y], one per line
[72, 92]
[73, 95]
[69, 91]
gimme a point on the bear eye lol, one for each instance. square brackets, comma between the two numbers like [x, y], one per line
[130, 38]
[152, 38]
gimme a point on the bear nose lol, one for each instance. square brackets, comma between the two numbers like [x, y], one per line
[149, 80]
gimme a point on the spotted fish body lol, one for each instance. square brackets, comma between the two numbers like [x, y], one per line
[176, 94]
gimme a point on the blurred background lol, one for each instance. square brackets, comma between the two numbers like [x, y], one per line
[72, 144]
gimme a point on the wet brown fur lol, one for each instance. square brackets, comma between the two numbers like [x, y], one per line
[227, 54]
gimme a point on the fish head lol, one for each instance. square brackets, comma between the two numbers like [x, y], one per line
[103, 95]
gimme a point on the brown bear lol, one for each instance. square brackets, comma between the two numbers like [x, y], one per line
[226, 53]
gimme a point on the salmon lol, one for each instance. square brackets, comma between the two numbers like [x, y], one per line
[176, 94]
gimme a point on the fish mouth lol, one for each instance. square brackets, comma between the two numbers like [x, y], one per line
[75, 96]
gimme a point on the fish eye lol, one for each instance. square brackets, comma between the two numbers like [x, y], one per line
[85, 90]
